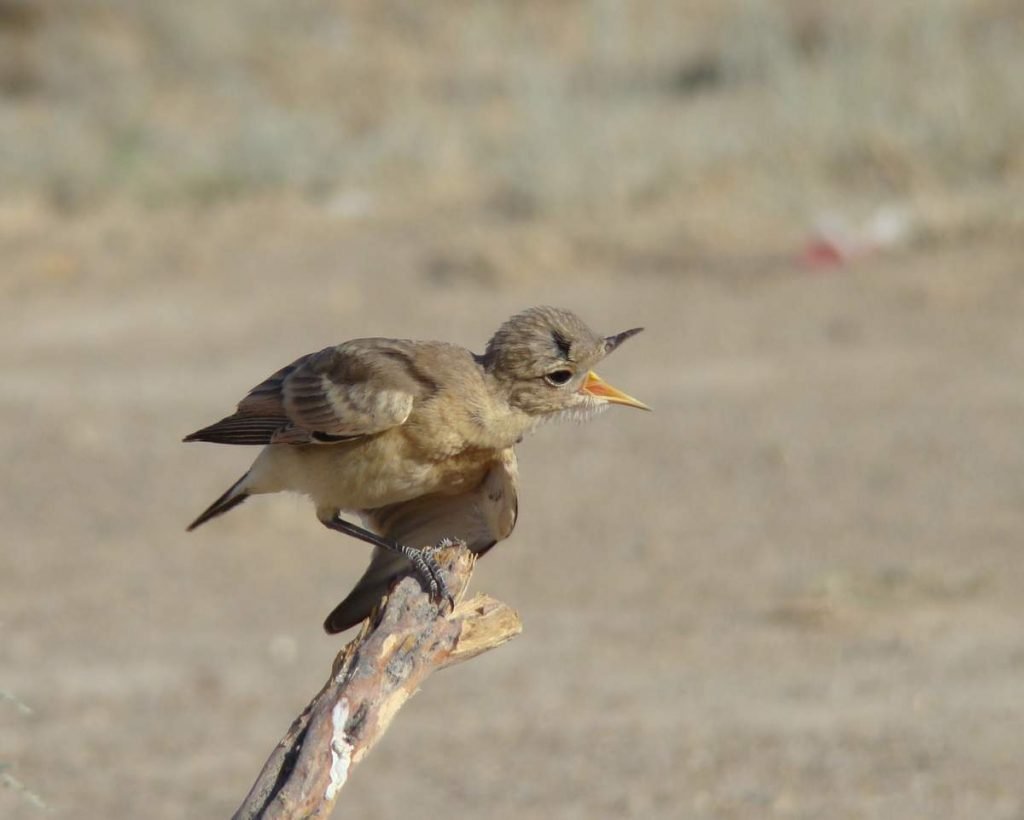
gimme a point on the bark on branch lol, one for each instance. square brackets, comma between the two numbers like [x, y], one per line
[405, 640]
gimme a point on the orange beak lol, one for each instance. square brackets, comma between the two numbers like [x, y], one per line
[600, 389]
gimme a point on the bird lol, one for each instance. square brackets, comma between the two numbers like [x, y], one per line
[415, 437]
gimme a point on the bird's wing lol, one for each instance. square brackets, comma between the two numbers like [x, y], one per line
[355, 389]
[481, 517]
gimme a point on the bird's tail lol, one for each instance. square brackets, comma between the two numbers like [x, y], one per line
[232, 498]
[384, 567]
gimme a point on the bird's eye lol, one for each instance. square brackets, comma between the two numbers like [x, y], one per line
[558, 377]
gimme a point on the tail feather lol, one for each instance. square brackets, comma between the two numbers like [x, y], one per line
[232, 498]
[385, 567]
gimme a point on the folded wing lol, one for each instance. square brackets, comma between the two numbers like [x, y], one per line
[355, 389]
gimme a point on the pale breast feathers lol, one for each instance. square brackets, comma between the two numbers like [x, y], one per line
[480, 516]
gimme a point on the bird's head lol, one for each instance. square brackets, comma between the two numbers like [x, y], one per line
[543, 357]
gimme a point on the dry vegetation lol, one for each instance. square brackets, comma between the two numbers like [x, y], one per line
[600, 111]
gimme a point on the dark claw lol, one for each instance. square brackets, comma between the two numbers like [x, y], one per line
[426, 566]
[422, 560]
[444, 543]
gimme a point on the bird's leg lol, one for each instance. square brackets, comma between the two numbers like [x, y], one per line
[422, 559]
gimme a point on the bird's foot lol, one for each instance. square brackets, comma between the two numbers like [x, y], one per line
[424, 561]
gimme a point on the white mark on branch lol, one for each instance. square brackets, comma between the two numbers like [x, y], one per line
[341, 749]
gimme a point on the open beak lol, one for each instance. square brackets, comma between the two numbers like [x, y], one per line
[597, 387]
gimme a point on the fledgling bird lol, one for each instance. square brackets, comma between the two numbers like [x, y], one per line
[415, 437]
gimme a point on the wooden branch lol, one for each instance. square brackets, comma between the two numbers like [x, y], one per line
[405, 640]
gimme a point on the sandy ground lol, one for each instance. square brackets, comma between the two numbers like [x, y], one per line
[792, 591]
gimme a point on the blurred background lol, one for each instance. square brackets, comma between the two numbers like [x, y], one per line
[792, 591]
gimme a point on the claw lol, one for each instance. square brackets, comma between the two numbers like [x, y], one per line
[426, 566]
[444, 543]
[422, 559]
